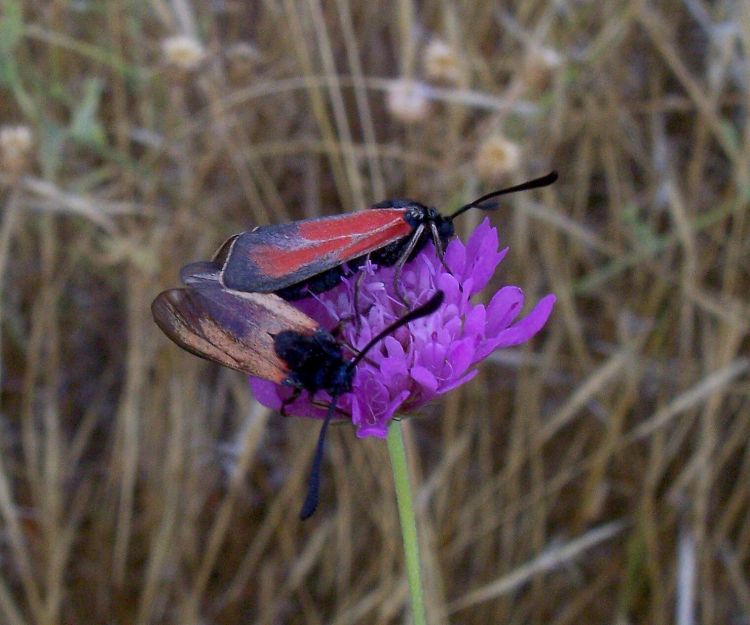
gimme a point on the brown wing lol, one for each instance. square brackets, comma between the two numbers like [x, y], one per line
[233, 329]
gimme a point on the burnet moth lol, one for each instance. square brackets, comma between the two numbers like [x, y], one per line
[312, 255]
[261, 335]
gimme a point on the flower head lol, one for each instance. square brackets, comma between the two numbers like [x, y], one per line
[441, 62]
[407, 101]
[183, 52]
[15, 147]
[243, 58]
[431, 355]
[540, 65]
[496, 157]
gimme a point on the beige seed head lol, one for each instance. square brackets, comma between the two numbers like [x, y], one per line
[408, 102]
[15, 147]
[242, 59]
[496, 157]
[441, 62]
[540, 65]
[183, 52]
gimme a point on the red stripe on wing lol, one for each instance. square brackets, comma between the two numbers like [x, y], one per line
[324, 244]
[357, 224]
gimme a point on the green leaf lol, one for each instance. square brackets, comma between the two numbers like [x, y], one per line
[85, 126]
[51, 143]
[11, 26]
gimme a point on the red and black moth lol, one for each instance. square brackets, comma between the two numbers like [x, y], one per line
[261, 335]
[310, 256]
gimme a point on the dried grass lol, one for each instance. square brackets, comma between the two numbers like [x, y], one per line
[598, 476]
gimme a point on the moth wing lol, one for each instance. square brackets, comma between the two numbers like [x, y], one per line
[270, 258]
[235, 330]
[208, 272]
[220, 256]
[202, 273]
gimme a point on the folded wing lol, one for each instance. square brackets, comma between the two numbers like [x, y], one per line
[271, 258]
[233, 329]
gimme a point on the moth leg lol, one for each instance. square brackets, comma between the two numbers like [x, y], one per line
[370, 361]
[400, 265]
[337, 330]
[290, 400]
[339, 412]
[398, 288]
[357, 287]
[438, 246]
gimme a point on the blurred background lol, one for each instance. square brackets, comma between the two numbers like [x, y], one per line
[598, 475]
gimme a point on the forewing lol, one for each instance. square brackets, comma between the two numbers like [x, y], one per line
[271, 258]
[203, 273]
[233, 329]
[207, 272]
[220, 256]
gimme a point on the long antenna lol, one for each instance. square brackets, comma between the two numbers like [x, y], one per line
[313, 486]
[421, 311]
[536, 183]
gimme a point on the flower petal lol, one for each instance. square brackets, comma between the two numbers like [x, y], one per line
[460, 357]
[266, 393]
[503, 309]
[475, 322]
[379, 427]
[458, 382]
[482, 255]
[422, 375]
[455, 257]
[528, 326]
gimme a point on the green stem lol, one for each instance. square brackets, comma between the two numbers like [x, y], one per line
[400, 469]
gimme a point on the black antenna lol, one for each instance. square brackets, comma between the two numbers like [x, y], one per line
[536, 183]
[313, 486]
[421, 311]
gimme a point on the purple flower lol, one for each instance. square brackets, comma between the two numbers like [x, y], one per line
[431, 355]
